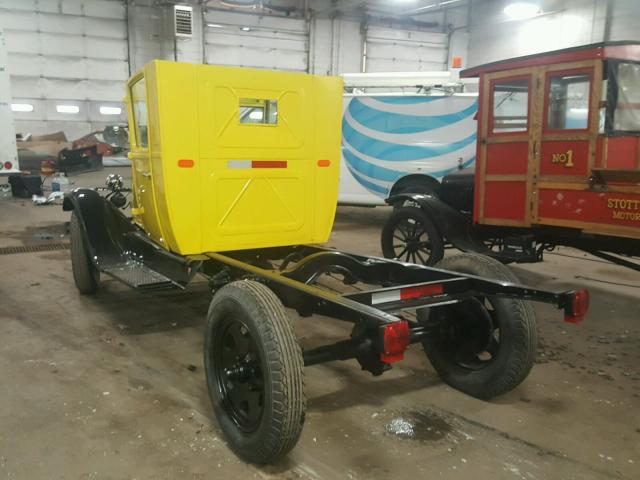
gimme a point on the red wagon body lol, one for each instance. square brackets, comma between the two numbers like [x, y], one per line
[559, 140]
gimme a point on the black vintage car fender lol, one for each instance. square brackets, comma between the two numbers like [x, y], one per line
[114, 240]
[103, 225]
[454, 226]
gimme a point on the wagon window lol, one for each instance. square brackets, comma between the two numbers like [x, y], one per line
[139, 105]
[510, 106]
[258, 111]
[568, 102]
[627, 109]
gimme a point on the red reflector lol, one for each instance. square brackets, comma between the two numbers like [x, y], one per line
[269, 164]
[579, 307]
[395, 341]
[422, 291]
[186, 163]
[324, 163]
[8, 165]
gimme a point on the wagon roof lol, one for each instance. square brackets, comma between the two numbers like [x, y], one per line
[623, 50]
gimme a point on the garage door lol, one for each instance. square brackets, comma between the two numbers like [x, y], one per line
[254, 41]
[396, 50]
[68, 63]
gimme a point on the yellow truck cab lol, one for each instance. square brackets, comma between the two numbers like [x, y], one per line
[232, 158]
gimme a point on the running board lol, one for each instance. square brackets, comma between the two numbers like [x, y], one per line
[140, 277]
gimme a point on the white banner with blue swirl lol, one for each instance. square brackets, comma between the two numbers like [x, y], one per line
[385, 138]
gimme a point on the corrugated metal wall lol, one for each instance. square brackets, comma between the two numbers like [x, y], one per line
[66, 52]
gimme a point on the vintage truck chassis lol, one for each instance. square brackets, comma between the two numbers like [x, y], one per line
[478, 332]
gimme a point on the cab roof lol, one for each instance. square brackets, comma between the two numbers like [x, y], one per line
[623, 50]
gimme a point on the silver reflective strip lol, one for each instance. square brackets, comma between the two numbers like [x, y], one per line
[239, 164]
[384, 297]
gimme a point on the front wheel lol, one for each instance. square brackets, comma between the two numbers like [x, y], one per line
[254, 371]
[409, 235]
[484, 346]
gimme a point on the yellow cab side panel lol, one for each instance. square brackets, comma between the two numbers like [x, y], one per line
[328, 112]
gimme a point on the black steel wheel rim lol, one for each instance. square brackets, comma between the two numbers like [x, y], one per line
[469, 334]
[411, 242]
[238, 372]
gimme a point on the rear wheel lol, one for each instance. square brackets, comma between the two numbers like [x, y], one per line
[484, 346]
[254, 371]
[85, 274]
[409, 235]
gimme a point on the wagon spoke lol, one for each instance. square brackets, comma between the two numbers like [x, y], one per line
[399, 256]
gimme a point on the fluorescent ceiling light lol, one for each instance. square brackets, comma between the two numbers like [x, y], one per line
[521, 10]
[104, 110]
[245, 29]
[21, 107]
[67, 108]
[214, 25]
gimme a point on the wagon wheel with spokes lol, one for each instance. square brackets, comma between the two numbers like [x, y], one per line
[409, 235]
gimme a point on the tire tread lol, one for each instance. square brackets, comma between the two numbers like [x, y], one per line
[522, 326]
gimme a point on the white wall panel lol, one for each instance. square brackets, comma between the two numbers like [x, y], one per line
[320, 46]
[273, 42]
[105, 9]
[396, 50]
[66, 51]
[347, 47]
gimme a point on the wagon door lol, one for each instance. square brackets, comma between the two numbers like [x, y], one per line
[565, 151]
[144, 211]
[506, 148]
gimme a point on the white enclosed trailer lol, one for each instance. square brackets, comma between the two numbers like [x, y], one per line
[8, 149]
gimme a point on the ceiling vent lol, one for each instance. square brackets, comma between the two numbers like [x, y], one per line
[183, 21]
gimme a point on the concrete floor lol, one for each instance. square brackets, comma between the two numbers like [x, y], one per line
[104, 387]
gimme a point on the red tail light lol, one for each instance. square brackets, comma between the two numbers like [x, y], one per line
[8, 165]
[579, 307]
[395, 340]
[423, 291]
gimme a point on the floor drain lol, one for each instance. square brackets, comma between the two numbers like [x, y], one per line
[45, 247]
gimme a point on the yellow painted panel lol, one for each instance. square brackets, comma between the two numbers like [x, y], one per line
[234, 157]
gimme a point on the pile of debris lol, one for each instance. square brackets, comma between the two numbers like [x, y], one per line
[54, 153]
